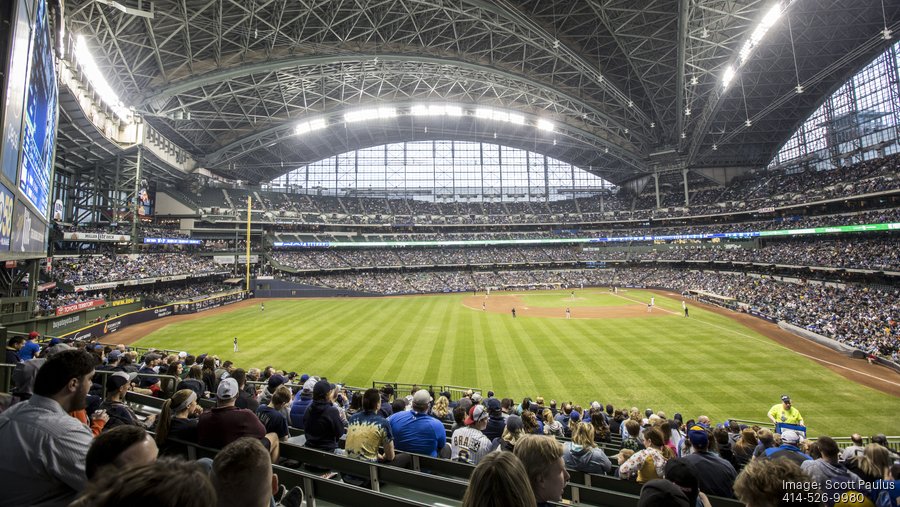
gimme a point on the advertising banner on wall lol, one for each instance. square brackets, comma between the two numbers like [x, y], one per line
[96, 237]
[112, 325]
[6, 218]
[81, 305]
[172, 241]
[229, 259]
[29, 232]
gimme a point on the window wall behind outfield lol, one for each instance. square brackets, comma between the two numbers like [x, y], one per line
[443, 171]
[858, 122]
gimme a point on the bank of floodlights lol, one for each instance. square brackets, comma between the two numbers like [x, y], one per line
[426, 110]
[309, 126]
[378, 113]
[436, 110]
[105, 92]
[772, 16]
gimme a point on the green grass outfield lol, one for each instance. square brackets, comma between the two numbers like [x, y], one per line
[707, 364]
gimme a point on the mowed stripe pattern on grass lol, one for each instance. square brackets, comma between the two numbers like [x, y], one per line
[706, 364]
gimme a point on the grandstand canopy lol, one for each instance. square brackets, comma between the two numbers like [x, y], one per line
[605, 85]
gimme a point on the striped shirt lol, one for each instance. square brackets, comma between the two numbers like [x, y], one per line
[469, 445]
[43, 451]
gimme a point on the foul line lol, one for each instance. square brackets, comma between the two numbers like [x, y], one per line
[769, 342]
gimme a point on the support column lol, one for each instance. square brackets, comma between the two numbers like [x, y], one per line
[656, 182]
[136, 200]
[687, 199]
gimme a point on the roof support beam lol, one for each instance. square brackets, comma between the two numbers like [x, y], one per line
[683, 23]
[156, 98]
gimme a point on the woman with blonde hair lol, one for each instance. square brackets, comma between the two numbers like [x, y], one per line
[512, 432]
[575, 416]
[649, 463]
[582, 453]
[874, 464]
[499, 480]
[178, 418]
[633, 414]
[441, 410]
[552, 427]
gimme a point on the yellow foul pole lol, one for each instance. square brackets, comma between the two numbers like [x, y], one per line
[247, 259]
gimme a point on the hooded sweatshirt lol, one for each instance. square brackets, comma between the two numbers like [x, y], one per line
[589, 460]
[821, 471]
[302, 400]
[322, 426]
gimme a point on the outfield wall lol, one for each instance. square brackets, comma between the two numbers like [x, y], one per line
[276, 288]
[62, 324]
[110, 326]
[834, 344]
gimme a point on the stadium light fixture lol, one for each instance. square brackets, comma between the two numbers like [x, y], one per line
[728, 76]
[309, 126]
[101, 86]
[370, 114]
[772, 16]
[435, 110]
[756, 37]
[545, 125]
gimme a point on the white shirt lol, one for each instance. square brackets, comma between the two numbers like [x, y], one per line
[469, 445]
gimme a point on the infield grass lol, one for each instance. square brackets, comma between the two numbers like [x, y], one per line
[706, 364]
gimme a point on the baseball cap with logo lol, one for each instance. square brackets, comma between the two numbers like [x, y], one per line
[119, 379]
[785, 398]
[698, 436]
[228, 389]
[476, 413]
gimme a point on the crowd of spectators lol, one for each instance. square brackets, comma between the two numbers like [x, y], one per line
[110, 458]
[861, 316]
[751, 192]
[865, 252]
[890, 215]
[91, 269]
[49, 301]
[878, 253]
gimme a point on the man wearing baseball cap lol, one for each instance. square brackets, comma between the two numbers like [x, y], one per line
[322, 420]
[468, 444]
[789, 448]
[302, 400]
[120, 414]
[31, 348]
[716, 475]
[227, 423]
[786, 413]
[416, 430]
